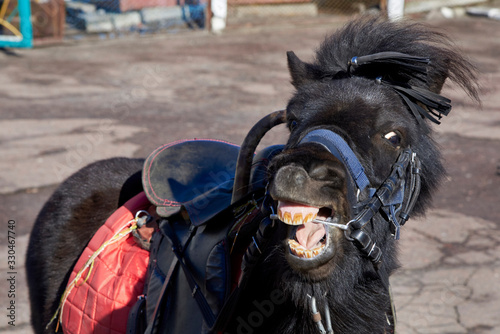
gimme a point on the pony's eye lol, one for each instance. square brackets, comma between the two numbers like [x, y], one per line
[393, 138]
[293, 125]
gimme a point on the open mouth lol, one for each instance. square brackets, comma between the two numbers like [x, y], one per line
[309, 237]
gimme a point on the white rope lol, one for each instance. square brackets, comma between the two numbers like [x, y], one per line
[122, 232]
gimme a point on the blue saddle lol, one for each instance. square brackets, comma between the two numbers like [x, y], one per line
[198, 175]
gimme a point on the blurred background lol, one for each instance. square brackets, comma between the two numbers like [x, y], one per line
[56, 20]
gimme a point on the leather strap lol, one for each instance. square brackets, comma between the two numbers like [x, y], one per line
[249, 262]
[196, 292]
[391, 314]
[136, 322]
[160, 305]
[336, 145]
[408, 62]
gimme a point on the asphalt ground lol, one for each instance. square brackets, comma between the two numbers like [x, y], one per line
[64, 106]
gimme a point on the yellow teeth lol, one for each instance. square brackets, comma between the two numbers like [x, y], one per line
[299, 250]
[297, 219]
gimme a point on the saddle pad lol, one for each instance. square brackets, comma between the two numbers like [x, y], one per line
[101, 303]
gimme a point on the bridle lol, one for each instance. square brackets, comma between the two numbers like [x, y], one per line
[397, 195]
[394, 199]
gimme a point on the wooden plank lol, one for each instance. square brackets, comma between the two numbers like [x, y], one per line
[267, 2]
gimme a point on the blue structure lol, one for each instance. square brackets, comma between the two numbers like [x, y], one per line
[16, 38]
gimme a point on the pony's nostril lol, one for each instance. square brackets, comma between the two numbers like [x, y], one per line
[300, 179]
[320, 172]
[327, 172]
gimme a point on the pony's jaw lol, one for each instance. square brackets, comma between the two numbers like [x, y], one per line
[311, 186]
[312, 249]
[316, 256]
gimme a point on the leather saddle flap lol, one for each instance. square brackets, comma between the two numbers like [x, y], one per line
[195, 174]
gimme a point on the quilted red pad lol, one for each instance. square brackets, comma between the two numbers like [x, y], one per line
[102, 303]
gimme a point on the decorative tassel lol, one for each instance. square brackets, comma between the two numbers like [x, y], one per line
[436, 106]
[396, 58]
[422, 102]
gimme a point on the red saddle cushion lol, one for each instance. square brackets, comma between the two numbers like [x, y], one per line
[101, 304]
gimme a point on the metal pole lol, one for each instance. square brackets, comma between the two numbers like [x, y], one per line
[218, 15]
[395, 9]
[208, 19]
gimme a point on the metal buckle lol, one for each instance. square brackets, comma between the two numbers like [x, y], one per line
[348, 228]
[144, 219]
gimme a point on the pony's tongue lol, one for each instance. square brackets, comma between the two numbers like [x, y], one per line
[308, 234]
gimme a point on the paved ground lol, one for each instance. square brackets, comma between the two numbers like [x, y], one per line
[63, 107]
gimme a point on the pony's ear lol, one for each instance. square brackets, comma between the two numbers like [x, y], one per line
[446, 63]
[436, 79]
[300, 71]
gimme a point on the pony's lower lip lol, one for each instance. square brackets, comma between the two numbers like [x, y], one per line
[301, 252]
[309, 242]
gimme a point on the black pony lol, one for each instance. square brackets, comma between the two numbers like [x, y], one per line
[359, 161]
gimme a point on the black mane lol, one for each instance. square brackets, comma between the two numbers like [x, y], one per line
[372, 35]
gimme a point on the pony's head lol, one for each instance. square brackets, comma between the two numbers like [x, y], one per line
[360, 121]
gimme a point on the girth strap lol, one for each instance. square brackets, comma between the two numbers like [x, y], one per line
[160, 306]
[196, 292]
[251, 258]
